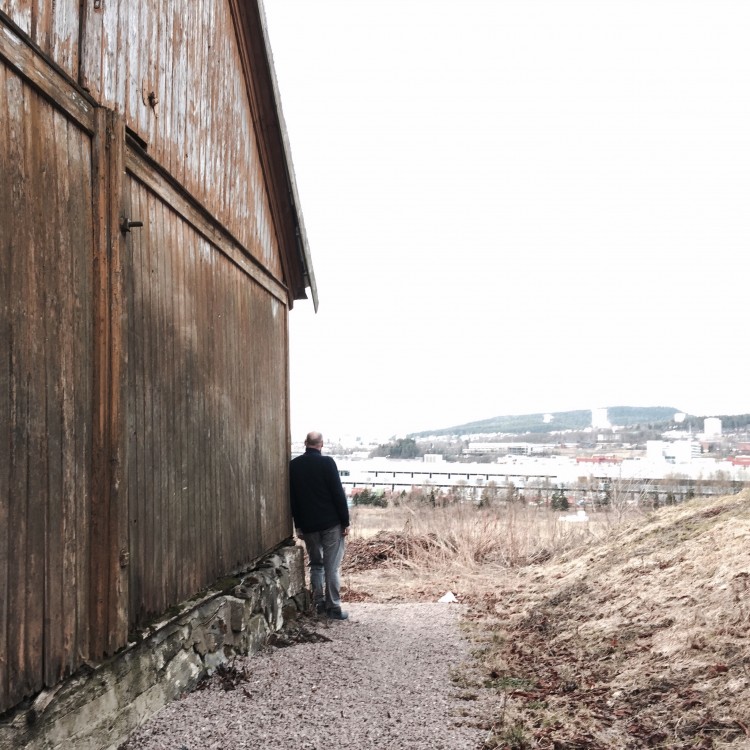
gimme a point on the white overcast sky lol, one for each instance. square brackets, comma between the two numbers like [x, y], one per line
[517, 206]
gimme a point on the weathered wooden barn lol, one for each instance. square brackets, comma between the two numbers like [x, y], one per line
[151, 248]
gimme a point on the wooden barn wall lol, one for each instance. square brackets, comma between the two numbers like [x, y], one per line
[46, 334]
[143, 377]
[206, 410]
[53, 25]
[172, 67]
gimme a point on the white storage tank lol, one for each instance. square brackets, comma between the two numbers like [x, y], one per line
[712, 427]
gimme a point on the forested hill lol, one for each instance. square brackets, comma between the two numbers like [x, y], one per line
[519, 424]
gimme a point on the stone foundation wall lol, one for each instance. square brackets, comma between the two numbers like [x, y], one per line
[98, 710]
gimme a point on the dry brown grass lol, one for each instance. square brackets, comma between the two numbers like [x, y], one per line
[418, 552]
[616, 637]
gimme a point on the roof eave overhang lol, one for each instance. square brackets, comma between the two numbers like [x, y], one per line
[275, 151]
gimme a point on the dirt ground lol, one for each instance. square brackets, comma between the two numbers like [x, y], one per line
[637, 639]
[383, 679]
[640, 640]
[643, 641]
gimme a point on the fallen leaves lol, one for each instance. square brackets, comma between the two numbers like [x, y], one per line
[227, 676]
[619, 662]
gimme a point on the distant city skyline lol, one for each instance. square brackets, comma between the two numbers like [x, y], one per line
[387, 434]
[364, 436]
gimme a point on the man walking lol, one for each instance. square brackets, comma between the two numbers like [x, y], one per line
[321, 516]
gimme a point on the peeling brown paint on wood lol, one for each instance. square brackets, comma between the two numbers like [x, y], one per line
[146, 173]
[170, 67]
[6, 254]
[183, 55]
[49, 81]
[45, 335]
[108, 580]
[204, 367]
[52, 26]
[143, 378]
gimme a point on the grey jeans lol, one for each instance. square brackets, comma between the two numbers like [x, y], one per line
[325, 550]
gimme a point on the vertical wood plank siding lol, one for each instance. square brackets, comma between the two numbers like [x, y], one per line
[45, 388]
[144, 402]
[206, 409]
[109, 524]
[172, 68]
[53, 26]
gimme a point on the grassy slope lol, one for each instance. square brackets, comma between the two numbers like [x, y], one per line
[640, 638]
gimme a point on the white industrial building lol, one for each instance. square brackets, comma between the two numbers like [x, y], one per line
[680, 461]
[712, 427]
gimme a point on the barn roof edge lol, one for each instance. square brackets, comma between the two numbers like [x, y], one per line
[303, 245]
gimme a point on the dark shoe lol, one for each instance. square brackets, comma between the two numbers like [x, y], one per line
[337, 614]
[320, 608]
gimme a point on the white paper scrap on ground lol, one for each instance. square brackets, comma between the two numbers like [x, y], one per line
[448, 597]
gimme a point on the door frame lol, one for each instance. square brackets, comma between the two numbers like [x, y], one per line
[108, 531]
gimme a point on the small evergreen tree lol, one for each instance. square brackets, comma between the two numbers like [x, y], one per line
[605, 498]
[559, 499]
[370, 497]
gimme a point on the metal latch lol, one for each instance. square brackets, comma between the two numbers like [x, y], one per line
[126, 225]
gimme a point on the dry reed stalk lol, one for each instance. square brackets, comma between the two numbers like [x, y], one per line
[459, 536]
[638, 638]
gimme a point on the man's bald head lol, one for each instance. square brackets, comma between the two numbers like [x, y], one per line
[314, 440]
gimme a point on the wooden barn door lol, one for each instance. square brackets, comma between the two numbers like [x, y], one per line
[206, 420]
[62, 538]
[46, 340]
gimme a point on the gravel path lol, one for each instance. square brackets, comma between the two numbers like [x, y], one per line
[383, 680]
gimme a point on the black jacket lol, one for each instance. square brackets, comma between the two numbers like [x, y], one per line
[318, 499]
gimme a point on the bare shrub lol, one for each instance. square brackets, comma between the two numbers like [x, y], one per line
[462, 534]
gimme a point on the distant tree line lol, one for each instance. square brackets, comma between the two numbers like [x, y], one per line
[656, 418]
[451, 450]
[371, 498]
[402, 448]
